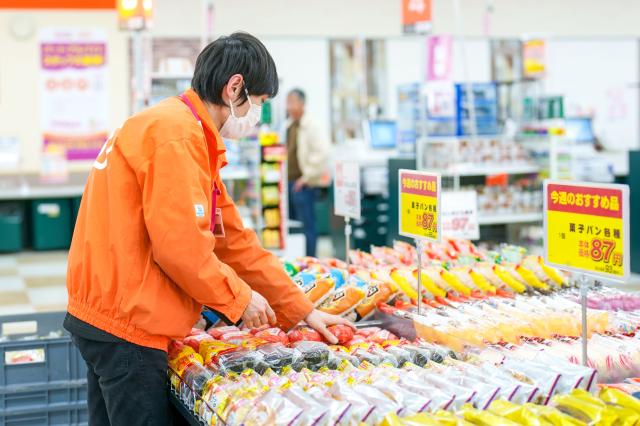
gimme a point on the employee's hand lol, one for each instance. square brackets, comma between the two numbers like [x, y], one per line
[258, 312]
[319, 321]
[298, 185]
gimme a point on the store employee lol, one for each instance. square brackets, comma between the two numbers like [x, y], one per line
[158, 237]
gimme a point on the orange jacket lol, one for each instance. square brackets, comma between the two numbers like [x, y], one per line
[143, 259]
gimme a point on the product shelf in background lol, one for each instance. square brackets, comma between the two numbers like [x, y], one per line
[497, 219]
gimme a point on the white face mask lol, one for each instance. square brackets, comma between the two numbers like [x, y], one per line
[239, 127]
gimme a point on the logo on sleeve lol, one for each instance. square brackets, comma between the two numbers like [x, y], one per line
[199, 208]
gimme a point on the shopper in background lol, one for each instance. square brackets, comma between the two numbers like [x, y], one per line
[307, 156]
[158, 237]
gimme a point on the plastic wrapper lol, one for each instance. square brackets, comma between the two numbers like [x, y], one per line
[194, 377]
[338, 356]
[276, 356]
[584, 411]
[485, 392]
[545, 380]
[360, 409]
[236, 337]
[242, 360]
[517, 413]
[553, 416]
[408, 401]
[377, 292]
[484, 418]
[618, 397]
[439, 399]
[526, 390]
[217, 332]
[446, 418]
[210, 350]
[437, 349]
[385, 356]
[345, 299]
[304, 333]
[337, 409]
[313, 355]
[343, 333]
[401, 355]
[420, 356]
[400, 278]
[195, 340]
[314, 412]
[272, 409]
[273, 335]
[363, 355]
[317, 288]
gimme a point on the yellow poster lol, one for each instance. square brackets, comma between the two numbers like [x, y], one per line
[419, 205]
[587, 228]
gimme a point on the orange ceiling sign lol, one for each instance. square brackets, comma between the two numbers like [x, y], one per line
[57, 4]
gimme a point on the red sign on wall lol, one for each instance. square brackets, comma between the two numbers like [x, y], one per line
[416, 16]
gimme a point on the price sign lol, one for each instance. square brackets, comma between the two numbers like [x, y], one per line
[460, 215]
[587, 228]
[346, 194]
[419, 204]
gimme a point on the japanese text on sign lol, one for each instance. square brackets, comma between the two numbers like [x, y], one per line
[347, 190]
[460, 215]
[586, 228]
[419, 215]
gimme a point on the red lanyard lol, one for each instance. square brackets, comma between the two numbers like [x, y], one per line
[215, 191]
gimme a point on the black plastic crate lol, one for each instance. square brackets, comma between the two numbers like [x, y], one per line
[49, 387]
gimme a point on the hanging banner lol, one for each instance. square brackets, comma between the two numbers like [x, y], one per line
[416, 16]
[586, 228]
[533, 59]
[346, 190]
[419, 205]
[460, 215]
[440, 58]
[74, 103]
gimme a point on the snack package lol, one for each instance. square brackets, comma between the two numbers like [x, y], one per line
[273, 335]
[241, 360]
[439, 399]
[344, 333]
[316, 287]
[217, 332]
[195, 340]
[517, 413]
[484, 418]
[194, 377]
[360, 409]
[277, 356]
[211, 349]
[313, 411]
[545, 380]
[304, 333]
[403, 283]
[346, 299]
[409, 402]
[618, 397]
[272, 408]
[377, 292]
[583, 410]
[313, 355]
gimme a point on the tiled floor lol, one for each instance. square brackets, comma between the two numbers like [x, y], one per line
[33, 282]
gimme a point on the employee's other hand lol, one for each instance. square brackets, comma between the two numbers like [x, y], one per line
[319, 321]
[298, 185]
[258, 312]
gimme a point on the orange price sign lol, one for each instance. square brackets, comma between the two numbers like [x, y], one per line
[419, 204]
[587, 228]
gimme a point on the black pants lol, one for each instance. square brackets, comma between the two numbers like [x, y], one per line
[127, 383]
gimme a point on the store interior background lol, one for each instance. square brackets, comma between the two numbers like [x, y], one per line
[592, 59]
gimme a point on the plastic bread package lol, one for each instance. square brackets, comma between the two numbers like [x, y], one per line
[272, 408]
[314, 412]
[381, 403]
[409, 402]
[346, 299]
[545, 380]
[195, 378]
[484, 418]
[485, 392]
[317, 288]
[359, 408]
[581, 376]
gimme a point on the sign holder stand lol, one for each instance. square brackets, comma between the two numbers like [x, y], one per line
[419, 249]
[347, 241]
[584, 289]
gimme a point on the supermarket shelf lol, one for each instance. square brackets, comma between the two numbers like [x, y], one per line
[489, 169]
[235, 174]
[497, 219]
[159, 76]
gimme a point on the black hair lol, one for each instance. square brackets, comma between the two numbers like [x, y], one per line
[299, 93]
[239, 53]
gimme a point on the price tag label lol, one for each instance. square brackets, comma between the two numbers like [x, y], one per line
[346, 194]
[460, 215]
[419, 204]
[586, 228]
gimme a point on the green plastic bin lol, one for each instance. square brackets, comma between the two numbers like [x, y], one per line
[51, 224]
[11, 225]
